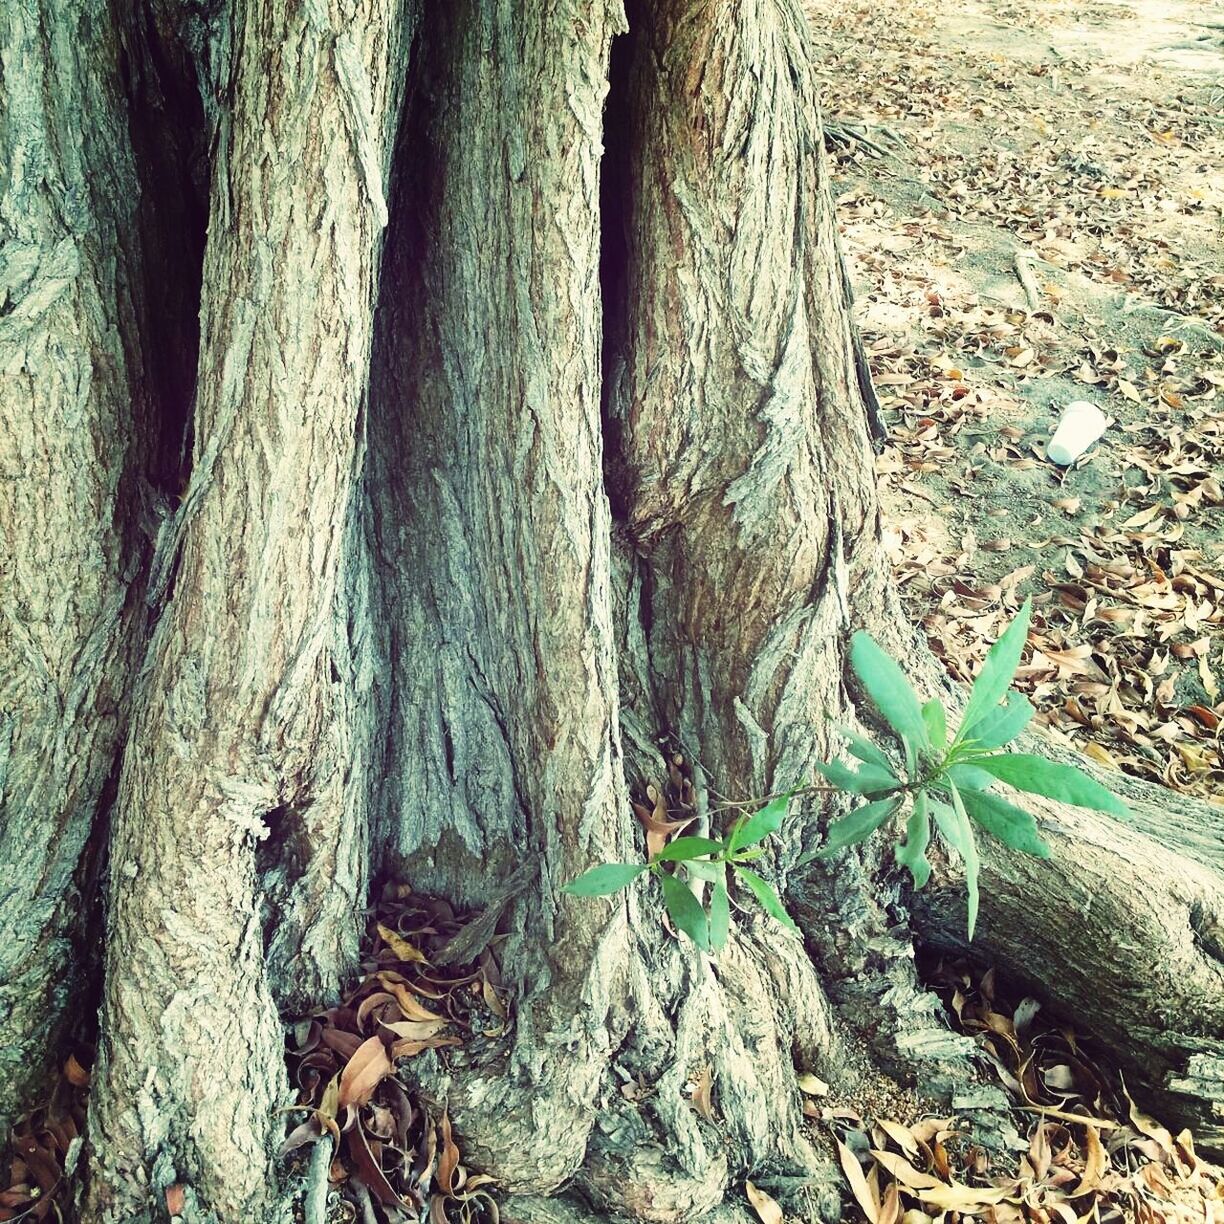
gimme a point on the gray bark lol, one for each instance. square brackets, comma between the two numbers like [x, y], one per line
[1122, 932]
[249, 725]
[76, 416]
[491, 537]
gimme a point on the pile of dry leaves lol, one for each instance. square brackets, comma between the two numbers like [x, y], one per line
[45, 1146]
[388, 1146]
[1092, 1155]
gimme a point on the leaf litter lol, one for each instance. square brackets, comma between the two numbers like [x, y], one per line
[393, 1150]
[1061, 147]
[45, 1146]
[1091, 1154]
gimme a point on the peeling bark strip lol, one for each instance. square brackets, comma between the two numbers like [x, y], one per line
[492, 542]
[75, 418]
[250, 711]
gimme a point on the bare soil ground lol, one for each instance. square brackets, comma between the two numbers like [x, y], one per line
[1031, 197]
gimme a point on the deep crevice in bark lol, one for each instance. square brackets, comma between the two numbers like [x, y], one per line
[167, 128]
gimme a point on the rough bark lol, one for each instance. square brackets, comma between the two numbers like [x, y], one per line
[491, 533]
[740, 453]
[248, 725]
[1121, 931]
[76, 418]
[579, 545]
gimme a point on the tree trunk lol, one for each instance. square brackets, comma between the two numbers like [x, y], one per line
[237, 856]
[77, 424]
[561, 502]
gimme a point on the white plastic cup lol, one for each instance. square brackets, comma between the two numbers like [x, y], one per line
[1080, 425]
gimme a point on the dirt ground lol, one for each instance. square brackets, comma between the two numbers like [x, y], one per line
[1031, 199]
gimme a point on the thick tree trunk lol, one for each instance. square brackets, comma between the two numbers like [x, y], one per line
[614, 521]
[249, 725]
[76, 427]
[492, 541]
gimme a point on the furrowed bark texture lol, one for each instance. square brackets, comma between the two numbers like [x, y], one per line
[740, 451]
[75, 418]
[249, 724]
[491, 532]
[578, 547]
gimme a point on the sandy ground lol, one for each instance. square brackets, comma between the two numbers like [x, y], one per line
[1031, 197]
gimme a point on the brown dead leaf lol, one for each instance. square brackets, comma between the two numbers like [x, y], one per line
[403, 950]
[176, 1199]
[75, 1074]
[368, 1067]
[764, 1205]
[858, 1182]
[703, 1094]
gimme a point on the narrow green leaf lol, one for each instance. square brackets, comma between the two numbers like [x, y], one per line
[1011, 825]
[912, 853]
[936, 723]
[1053, 780]
[685, 848]
[766, 898]
[866, 780]
[604, 879]
[760, 824]
[864, 749]
[686, 911]
[1004, 722]
[857, 826]
[888, 689]
[998, 668]
[954, 824]
[720, 916]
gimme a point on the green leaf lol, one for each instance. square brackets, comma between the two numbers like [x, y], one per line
[864, 749]
[1011, 825]
[766, 897]
[857, 827]
[936, 724]
[969, 777]
[685, 848]
[1004, 722]
[888, 689]
[703, 869]
[954, 824]
[912, 853]
[1053, 780]
[604, 879]
[686, 911]
[867, 780]
[997, 671]
[760, 825]
[720, 916]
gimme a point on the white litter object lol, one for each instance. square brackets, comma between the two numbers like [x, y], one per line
[1080, 425]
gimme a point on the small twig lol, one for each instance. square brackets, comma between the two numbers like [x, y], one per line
[726, 805]
[1024, 270]
[364, 1203]
[314, 1208]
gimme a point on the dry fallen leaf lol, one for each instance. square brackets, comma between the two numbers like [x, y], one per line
[813, 1085]
[404, 950]
[858, 1183]
[765, 1206]
[368, 1067]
